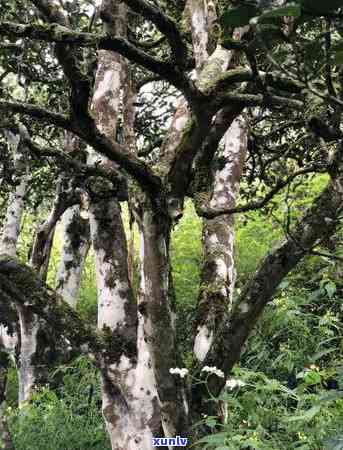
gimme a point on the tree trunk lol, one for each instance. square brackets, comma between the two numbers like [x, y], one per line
[130, 404]
[36, 356]
[75, 246]
[15, 206]
[319, 222]
[156, 308]
[218, 272]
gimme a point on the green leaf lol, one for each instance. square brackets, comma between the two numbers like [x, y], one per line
[211, 422]
[237, 17]
[312, 378]
[330, 288]
[284, 284]
[321, 6]
[338, 58]
[218, 438]
[307, 416]
[290, 10]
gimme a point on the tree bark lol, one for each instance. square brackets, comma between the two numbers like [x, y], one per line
[75, 246]
[15, 206]
[318, 223]
[218, 272]
[36, 356]
[130, 403]
[157, 310]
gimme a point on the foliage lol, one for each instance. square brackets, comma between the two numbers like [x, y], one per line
[266, 414]
[293, 370]
[67, 417]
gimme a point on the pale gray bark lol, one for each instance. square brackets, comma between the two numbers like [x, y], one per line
[156, 310]
[218, 273]
[15, 206]
[75, 246]
[130, 402]
[32, 369]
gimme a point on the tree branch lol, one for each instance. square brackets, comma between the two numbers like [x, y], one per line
[62, 35]
[90, 134]
[165, 25]
[318, 223]
[66, 160]
[20, 285]
[275, 80]
[37, 112]
[209, 213]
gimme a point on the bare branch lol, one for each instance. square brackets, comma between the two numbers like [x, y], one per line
[165, 25]
[319, 222]
[208, 213]
[63, 35]
[36, 112]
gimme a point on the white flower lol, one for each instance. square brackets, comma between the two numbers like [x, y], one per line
[213, 370]
[232, 383]
[176, 371]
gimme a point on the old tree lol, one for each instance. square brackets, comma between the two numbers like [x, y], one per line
[225, 103]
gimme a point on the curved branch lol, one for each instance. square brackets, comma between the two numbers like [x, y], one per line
[90, 134]
[230, 98]
[21, 286]
[65, 159]
[37, 112]
[275, 80]
[319, 222]
[209, 213]
[165, 25]
[63, 35]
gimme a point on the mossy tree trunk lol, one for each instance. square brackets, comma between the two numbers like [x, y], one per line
[75, 234]
[12, 223]
[156, 312]
[15, 206]
[36, 351]
[130, 403]
[218, 272]
[75, 246]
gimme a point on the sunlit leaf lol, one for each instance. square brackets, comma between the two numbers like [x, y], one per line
[291, 10]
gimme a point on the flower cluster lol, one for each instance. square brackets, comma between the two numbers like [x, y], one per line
[213, 370]
[177, 371]
[232, 383]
